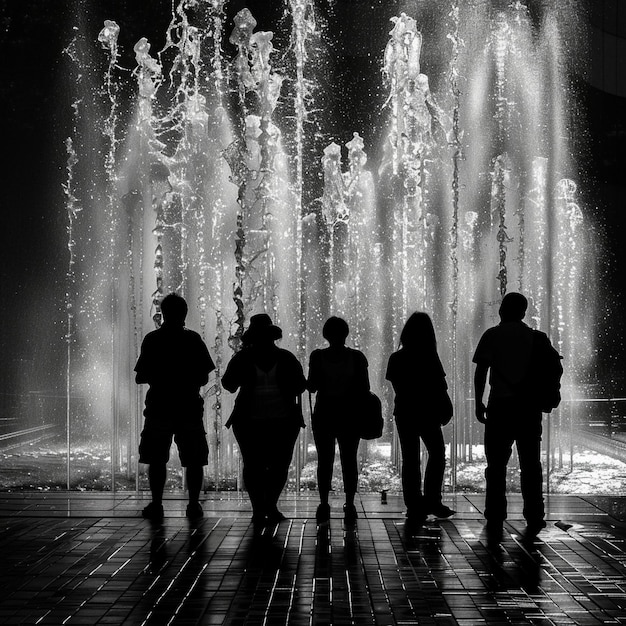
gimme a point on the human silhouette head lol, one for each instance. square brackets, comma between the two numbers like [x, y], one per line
[418, 332]
[335, 330]
[261, 330]
[513, 307]
[174, 309]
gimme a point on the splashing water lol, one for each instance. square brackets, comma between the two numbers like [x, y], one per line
[205, 190]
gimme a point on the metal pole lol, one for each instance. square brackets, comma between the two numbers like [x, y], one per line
[298, 462]
[571, 437]
[113, 388]
[548, 445]
[67, 414]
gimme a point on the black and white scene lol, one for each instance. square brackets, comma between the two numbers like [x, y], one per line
[313, 312]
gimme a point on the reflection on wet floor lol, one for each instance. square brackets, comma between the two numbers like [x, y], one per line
[83, 558]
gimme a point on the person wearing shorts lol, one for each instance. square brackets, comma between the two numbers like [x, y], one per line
[175, 362]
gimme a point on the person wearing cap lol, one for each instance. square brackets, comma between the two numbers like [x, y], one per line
[267, 415]
[339, 377]
[175, 362]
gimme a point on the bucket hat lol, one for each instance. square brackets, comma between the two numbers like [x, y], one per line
[261, 327]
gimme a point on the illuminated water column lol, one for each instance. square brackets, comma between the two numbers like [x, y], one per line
[354, 261]
[364, 255]
[203, 193]
[268, 229]
[303, 28]
[171, 178]
[406, 150]
[215, 282]
[570, 334]
[335, 214]
[460, 434]
[72, 207]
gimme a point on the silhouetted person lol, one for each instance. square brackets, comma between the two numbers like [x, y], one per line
[419, 382]
[338, 375]
[510, 416]
[175, 362]
[267, 416]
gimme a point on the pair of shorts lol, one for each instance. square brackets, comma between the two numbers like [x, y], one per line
[190, 439]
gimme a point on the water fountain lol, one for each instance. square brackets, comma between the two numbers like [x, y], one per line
[199, 186]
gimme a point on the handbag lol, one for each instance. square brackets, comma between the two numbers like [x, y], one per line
[371, 422]
[442, 408]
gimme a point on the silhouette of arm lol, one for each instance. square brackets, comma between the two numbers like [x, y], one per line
[205, 363]
[298, 381]
[145, 364]
[141, 375]
[231, 380]
[141, 378]
[480, 380]
[364, 379]
[391, 373]
[312, 383]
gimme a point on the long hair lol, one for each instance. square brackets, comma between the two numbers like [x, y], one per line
[419, 333]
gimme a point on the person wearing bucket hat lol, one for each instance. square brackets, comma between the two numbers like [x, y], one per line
[267, 415]
[261, 326]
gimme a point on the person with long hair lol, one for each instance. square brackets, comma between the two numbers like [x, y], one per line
[338, 375]
[267, 415]
[419, 383]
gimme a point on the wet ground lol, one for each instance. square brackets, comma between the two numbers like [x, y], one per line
[89, 558]
[44, 468]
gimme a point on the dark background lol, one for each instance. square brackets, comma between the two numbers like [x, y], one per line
[35, 100]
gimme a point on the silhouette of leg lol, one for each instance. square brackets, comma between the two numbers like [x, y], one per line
[251, 445]
[154, 449]
[411, 470]
[280, 443]
[195, 476]
[348, 448]
[433, 476]
[190, 438]
[498, 447]
[325, 445]
[531, 474]
[157, 473]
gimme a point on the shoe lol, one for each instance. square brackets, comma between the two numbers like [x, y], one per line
[493, 528]
[416, 516]
[194, 511]
[349, 513]
[275, 517]
[258, 519]
[322, 515]
[415, 520]
[442, 511]
[153, 512]
[534, 527]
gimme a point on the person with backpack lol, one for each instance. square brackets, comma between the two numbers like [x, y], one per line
[524, 377]
[339, 376]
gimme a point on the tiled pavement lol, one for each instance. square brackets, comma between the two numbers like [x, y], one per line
[83, 558]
